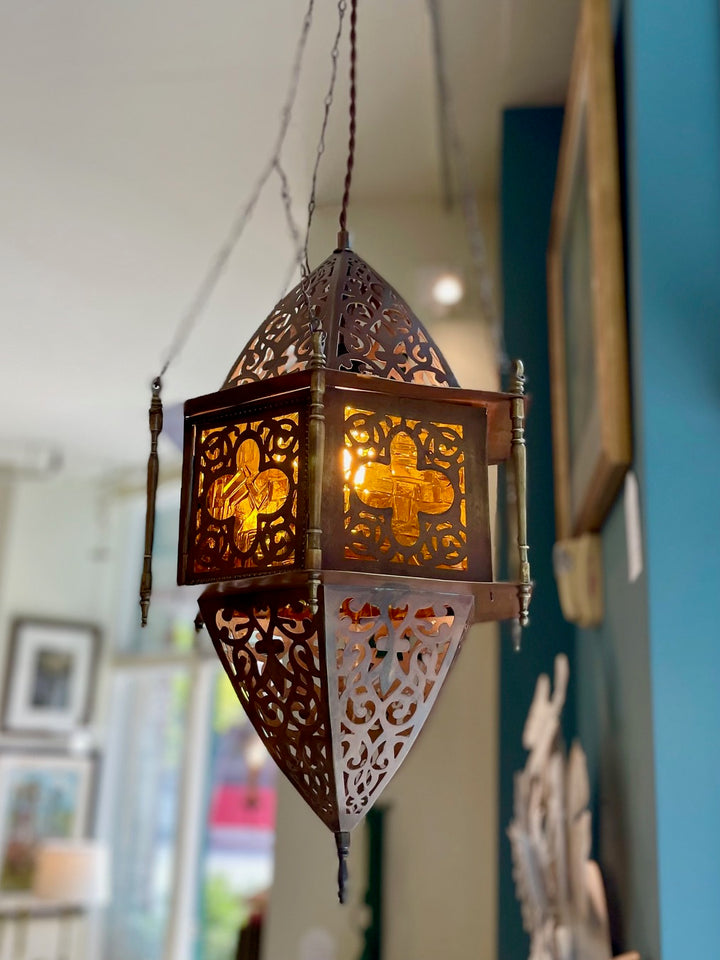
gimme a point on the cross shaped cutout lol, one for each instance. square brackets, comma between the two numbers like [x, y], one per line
[247, 494]
[402, 487]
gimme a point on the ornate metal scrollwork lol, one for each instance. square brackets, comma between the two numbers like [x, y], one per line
[338, 504]
[284, 341]
[340, 696]
[370, 330]
[247, 495]
[378, 334]
[271, 654]
[393, 650]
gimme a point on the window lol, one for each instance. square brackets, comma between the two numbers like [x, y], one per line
[188, 798]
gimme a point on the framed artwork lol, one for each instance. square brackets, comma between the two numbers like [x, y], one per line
[42, 797]
[590, 391]
[50, 676]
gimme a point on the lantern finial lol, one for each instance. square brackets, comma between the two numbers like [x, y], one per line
[342, 842]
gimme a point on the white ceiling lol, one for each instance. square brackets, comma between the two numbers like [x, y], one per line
[131, 131]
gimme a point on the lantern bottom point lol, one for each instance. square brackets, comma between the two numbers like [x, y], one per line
[342, 842]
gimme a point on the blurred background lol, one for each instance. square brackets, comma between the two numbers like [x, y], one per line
[131, 134]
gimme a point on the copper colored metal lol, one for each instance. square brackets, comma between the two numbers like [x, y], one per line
[155, 416]
[369, 330]
[316, 459]
[517, 386]
[350, 551]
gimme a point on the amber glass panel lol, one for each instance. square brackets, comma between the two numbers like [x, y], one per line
[247, 494]
[402, 487]
[246, 501]
[401, 473]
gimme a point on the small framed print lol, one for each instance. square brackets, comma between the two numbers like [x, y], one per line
[50, 676]
[42, 797]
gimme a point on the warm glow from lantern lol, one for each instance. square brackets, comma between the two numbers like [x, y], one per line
[399, 485]
[246, 508]
[248, 493]
[403, 487]
[340, 518]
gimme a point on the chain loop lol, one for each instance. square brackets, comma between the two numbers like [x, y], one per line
[220, 261]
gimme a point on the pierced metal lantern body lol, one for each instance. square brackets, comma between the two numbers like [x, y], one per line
[335, 501]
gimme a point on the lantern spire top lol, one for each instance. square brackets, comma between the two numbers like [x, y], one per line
[369, 329]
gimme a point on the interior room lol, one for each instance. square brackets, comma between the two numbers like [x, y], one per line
[295, 662]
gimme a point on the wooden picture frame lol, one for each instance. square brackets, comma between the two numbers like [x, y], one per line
[50, 676]
[590, 391]
[43, 796]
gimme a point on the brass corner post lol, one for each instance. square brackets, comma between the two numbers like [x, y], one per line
[517, 386]
[155, 415]
[316, 456]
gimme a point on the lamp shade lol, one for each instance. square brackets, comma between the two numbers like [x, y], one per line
[336, 503]
[73, 871]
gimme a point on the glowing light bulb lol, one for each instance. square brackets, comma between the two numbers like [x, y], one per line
[448, 290]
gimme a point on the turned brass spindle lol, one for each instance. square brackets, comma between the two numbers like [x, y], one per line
[342, 843]
[517, 386]
[315, 463]
[155, 415]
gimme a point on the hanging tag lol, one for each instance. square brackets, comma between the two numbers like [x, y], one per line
[633, 528]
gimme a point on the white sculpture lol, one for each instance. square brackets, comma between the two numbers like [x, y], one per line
[560, 888]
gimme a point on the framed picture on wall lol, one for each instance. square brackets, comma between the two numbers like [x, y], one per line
[590, 391]
[42, 797]
[50, 676]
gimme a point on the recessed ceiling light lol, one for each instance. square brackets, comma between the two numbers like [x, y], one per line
[448, 290]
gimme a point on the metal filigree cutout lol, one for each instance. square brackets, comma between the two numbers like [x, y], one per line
[284, 342]
[369, 330]
[378, 334]
[338, 710]
[404, 492]
[272, 658]
[393, 650]
[247, 496]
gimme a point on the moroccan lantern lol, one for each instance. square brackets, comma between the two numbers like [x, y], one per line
[335, 501]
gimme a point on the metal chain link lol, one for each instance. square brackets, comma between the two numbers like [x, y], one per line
[220, 261]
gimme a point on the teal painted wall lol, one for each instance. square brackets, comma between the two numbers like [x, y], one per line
[649, 680]
[529, 159]
[613, 683]
[647, 683]
[673, 162]
[613, 696]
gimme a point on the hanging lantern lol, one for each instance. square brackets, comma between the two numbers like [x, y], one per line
[335, 500]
